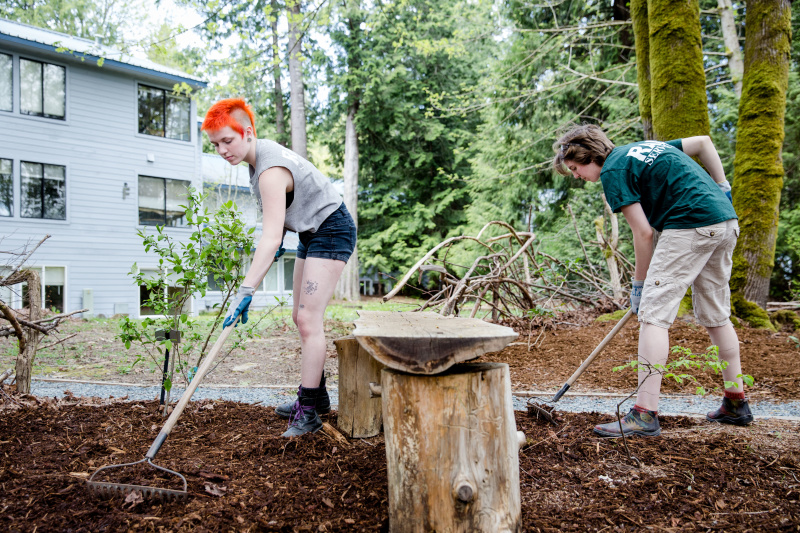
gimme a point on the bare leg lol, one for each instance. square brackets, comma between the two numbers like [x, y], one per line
[314, 282]
[725, 337]
[653, 350]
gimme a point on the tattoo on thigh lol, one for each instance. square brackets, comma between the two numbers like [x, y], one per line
[311, 287]
[302, 306]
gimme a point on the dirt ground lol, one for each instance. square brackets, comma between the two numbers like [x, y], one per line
[242, 476]
[541, 359]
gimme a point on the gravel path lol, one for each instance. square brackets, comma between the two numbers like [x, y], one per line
[669, 405]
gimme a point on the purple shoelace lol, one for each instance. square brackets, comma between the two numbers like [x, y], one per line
[299, 410]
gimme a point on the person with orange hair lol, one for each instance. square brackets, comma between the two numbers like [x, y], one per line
[292, 194]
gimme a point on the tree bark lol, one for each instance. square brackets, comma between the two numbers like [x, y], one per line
[610, 245]
[758, 169]
[678, 82]
[280, 119]
[452, 450]
[642, 37]
[348, 287]
[297, 89]
[27, 353]
[359, 412]
[731, 39]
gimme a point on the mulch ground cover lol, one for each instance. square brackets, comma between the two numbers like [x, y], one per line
[546, 357]
[242, 476]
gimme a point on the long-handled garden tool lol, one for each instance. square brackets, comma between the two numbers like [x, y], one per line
[547, 413]
[112, 489]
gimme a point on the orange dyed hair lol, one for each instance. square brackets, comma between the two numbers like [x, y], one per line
[220, 115]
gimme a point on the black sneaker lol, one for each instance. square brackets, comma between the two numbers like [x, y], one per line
[644, 423]
[736, 412]
[304, 418]
[322, 407]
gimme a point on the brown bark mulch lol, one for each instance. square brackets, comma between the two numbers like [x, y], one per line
[244, 477]
[547, 357]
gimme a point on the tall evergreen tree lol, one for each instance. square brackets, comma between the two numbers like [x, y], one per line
[758, 177]
[678, 90]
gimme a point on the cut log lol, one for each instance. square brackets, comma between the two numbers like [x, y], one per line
[452, 450]
[359, 412]
[427, 343]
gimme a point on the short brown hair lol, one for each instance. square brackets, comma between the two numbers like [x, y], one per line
[583, 145]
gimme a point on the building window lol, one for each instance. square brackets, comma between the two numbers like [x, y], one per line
[160, 201]
[6, 82]
[163, 289]
[6, 189]
[43, 89]
[44, 191]
[288, 274]
[163, 113]
[52, 289]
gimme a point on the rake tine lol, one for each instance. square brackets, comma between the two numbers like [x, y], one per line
[114, 489]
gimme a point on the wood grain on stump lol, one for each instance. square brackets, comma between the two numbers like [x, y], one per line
[452, 450]
[359, 412]
[427, 343]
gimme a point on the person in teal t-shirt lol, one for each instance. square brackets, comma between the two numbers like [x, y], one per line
[666, 197]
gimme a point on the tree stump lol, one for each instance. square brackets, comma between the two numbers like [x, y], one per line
[452, 450]
[427, 343]
[359, 412]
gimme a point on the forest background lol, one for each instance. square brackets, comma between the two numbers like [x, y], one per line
[440, 115]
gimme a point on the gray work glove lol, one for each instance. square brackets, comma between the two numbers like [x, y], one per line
[636, 295]
[725, 187]
[239, 306]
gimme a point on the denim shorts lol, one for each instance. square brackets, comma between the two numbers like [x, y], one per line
[335, 238]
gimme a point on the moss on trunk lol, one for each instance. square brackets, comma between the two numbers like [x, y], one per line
[758, 169]
[678, 83]
[642, 38]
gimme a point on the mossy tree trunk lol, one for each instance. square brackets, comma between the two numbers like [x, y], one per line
[678, 83]
[758, 169]
[642, 38]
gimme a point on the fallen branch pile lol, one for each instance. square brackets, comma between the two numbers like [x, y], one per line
[511, 279]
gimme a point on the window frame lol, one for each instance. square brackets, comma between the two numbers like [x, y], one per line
[167, 94]
[13, 93]
[11, 206]
[166, 200]
[41, 189]
[16, 291]
[43, 114]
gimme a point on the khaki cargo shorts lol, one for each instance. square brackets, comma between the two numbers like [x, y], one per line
[696, 257]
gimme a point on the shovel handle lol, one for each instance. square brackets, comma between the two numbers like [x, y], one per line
[187, 394]
[595, 353]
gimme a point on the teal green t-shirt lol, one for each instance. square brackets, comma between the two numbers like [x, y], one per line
[675, 192]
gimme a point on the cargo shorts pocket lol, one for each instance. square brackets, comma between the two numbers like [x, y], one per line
[708, 238]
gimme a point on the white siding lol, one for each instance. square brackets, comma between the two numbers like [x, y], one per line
[101, 148]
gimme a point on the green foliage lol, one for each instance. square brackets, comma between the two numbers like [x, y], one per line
[683, 366]
[81, 18]
[217, 248]
[616, 316]
[786, 317]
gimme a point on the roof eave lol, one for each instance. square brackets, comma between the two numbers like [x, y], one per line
[112, 63]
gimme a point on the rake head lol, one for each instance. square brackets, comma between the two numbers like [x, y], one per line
[541, 412]
[109, 490]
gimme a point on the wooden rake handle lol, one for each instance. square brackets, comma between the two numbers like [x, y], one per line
[187, 394]
[595, 353]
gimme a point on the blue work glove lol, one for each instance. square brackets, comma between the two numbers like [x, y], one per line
[280, 252]
[239, 306]
[726, 188]
[636, 295]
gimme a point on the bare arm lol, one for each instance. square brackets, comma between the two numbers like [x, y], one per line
[642, 238]
[703, 149]
[272, 184]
